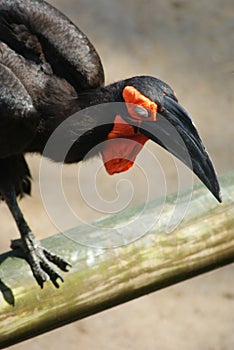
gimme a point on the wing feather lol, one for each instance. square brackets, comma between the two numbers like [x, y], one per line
[14, 98]
[18, 117]
[51, 36]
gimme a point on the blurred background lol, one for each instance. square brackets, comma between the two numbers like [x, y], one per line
[189, 45]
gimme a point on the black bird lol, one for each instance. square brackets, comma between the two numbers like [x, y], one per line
[48, 71]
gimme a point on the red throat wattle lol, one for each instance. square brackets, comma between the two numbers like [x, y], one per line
[124, 142]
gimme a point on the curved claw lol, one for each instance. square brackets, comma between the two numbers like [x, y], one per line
[50, 272]
[40, 259]
[56, 259]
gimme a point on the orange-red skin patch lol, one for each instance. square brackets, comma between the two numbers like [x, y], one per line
[119, 154]
[133, 97]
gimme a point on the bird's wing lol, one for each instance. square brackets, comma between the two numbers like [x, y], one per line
[39, 32]
[18, 117]
[14, 98]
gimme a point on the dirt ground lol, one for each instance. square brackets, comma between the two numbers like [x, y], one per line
[188, 44]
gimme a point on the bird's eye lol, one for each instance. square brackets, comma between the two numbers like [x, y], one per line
[141, 111]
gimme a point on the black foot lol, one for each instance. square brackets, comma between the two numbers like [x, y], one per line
[40, 259]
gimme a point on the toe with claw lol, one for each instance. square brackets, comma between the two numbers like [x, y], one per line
[41, 259]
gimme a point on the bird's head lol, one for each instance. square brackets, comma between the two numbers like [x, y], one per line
[151, 111]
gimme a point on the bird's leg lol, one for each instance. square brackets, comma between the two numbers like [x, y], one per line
[38, 257]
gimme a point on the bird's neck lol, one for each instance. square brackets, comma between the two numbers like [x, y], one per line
[74, 127]
[106, 94]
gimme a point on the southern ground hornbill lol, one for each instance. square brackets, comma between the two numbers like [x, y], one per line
[49, 71]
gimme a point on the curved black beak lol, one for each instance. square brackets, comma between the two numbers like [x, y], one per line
[175, 131]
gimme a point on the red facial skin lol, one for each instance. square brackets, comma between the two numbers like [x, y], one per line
[125, 141]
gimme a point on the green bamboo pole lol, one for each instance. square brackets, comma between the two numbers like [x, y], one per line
[102, 278]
